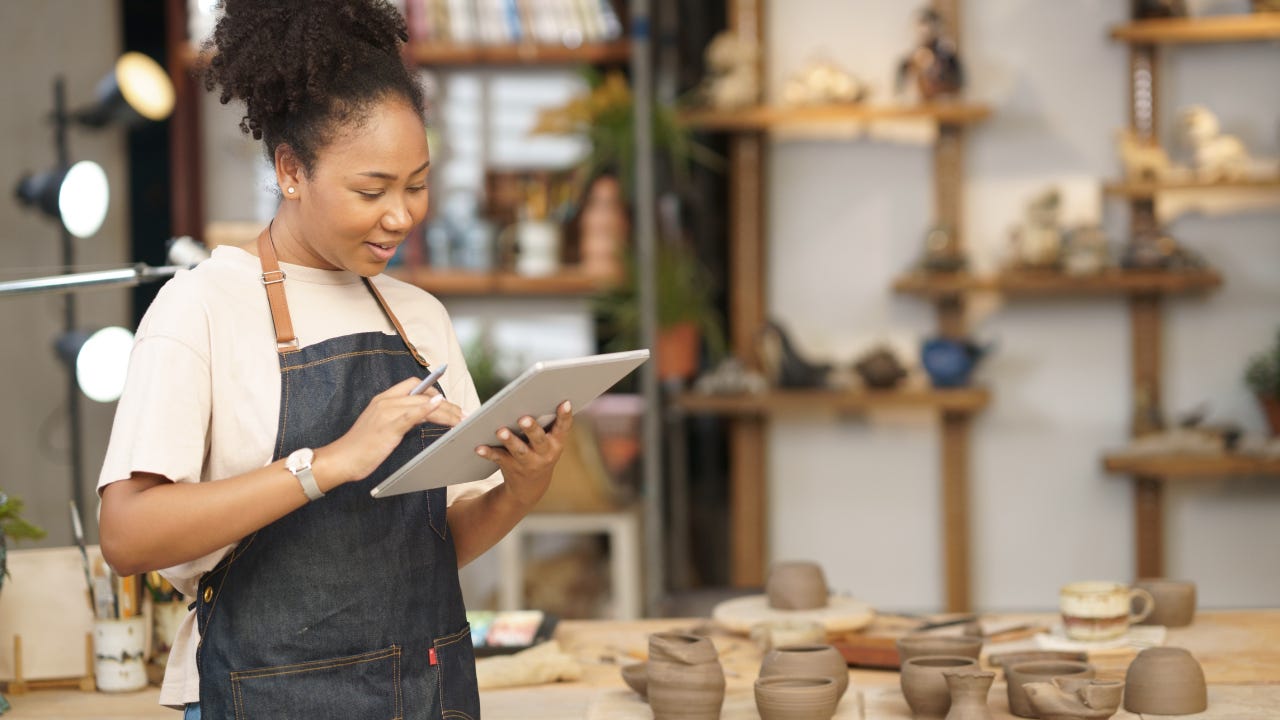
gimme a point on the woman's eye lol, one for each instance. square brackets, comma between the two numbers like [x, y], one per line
[370, 195]
[418, 188]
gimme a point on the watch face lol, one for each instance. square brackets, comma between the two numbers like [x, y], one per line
[300, 459]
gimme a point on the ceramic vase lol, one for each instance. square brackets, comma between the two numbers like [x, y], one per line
[796, 698]
[1165, 681]
[807, 661]
[924, 684]
[969, 690]
[796, 586]
[1044, 671]
[685, 680]
[922, 645]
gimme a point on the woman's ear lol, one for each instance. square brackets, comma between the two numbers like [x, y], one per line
[289, 172]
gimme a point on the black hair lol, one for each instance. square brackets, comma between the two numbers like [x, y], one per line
[308, 69]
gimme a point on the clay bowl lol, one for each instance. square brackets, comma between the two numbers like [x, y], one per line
[807, 661]
[1038, 671]
[922, 645]
[636, 676]
[796, 698]
[1075, 699]
[796, 586]
[924, 684]
[1175, 602]
[1165, 681]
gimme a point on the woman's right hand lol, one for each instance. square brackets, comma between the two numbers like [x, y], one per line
[379, 430]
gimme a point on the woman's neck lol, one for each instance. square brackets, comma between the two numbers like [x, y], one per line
[287, 239]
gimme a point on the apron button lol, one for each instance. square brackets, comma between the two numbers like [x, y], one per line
[208, 594]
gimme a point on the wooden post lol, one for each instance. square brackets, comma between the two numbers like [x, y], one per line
[955, 509]
[186, 167]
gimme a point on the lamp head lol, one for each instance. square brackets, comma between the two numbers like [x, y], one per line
[77, 196]
[135, 92]
[100, 359]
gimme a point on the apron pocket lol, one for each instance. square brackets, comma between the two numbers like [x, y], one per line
[356, 686]
[456, 673]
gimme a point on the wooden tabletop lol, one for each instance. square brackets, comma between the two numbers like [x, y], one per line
[1239, 650]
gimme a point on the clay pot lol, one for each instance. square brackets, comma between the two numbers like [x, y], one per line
[1175, 602]
[1165, 681]
[1074, 699]
[678, 351]
[796, 586]
[1271, 408]
[1041, 671]
[969, 690]
[636, 676]
[922, 645]
[796, 698]
[807, 661]
[880, 369]
[685, 680]
[924, 684]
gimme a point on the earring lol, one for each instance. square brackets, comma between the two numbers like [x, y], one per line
[292, 191]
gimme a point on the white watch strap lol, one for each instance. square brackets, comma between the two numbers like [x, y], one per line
[308, 481]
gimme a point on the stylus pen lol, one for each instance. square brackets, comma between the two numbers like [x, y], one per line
[429, 380]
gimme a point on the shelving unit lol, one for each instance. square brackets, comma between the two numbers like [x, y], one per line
[808, 402]
[1147, 190]
[1029, 283]
[437, 55]
[461, 283]
[766, 118]
[1188, 466]
[1222, 29]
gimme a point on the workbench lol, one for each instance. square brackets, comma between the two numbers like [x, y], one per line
[1239, 650]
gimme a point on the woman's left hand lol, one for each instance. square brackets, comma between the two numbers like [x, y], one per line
[527, 465]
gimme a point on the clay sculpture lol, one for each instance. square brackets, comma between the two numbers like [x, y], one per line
[685, 680]
[784, 363]
[1218, 157]
[934, 63]
[1073, 699]
[880, 369]
[969, 694]
[796, 698]
[1143, 161]
[1165, 681]
[924, 683]
[796, 586]
[1175, 602]
[636, 676]
[1044, 671]
[807, 661]
[923, 645]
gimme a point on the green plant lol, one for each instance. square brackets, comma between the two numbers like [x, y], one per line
[482, 364]
[12, 524]
[1262, 374]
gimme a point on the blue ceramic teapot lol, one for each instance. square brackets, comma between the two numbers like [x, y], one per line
[950, 362]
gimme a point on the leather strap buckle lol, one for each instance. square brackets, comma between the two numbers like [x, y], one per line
[280, 279]
[287, 345]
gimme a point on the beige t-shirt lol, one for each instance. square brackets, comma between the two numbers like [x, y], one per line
[202, 399]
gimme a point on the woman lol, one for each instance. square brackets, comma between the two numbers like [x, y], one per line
[269, 391]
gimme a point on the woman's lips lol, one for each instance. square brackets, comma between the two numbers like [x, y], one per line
[383, 253]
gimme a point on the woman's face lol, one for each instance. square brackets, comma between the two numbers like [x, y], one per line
[366, 191]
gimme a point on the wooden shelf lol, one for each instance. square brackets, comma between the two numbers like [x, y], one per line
[1148, 189]
[460, 283]
[1223, 29]
[780, 402]
[1025, 283]
[442, 55]
[1171, 467]
[766, 118]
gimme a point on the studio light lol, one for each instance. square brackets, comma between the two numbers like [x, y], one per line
[100, 359]
[77, 196]
[136, 91]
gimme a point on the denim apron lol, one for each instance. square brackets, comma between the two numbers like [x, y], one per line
[349, 607]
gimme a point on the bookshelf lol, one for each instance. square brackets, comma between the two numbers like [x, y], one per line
[440, 55]
[766, 118]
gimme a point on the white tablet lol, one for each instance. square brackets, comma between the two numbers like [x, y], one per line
[537, 392]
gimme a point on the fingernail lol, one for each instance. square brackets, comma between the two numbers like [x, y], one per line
[568, 406]
[526, 423]
[504, 433]
[437, 399]
[481, 451]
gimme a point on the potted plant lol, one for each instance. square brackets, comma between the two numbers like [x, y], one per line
[12, 525]
[1263, 377]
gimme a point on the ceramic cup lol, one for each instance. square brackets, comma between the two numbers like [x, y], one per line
[922, 645]
[1101, 610]
[1165, 681]
[807, 661]
[796, 698]
[1175, 601]
[796, 586]
[924, 683]
[118, 649]
[1016, 676]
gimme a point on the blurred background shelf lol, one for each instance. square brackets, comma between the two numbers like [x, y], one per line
[462, 283]
[765, 118]
[438, 54]
[777, 402]
[1143, 190]
[1175, 466]
[1227, 28]
[1027, 283]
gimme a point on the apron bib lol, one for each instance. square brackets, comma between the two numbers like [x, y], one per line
[349, 607]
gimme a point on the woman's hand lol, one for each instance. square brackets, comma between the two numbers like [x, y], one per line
[526, 466]
[379, 430]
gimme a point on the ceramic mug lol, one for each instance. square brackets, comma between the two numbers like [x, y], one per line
[118, 649]
[1101, 610]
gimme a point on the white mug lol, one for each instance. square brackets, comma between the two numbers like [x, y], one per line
[1101, 610]
[537, 248]
[118, 649]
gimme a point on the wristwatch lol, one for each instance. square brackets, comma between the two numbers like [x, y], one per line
[299, 463]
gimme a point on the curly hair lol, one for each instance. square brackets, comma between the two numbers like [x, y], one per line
[308, 69]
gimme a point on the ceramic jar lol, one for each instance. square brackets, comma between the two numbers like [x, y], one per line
[1165, 681]
[1039, 671]
[924, 684]
[796, 698]
[969, 689]
[685, 680]
[807, 661]
[636, 676]
[796, 586]
[1175, 602]
[921, 645]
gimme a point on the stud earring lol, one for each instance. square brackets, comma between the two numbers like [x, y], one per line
[292, 191]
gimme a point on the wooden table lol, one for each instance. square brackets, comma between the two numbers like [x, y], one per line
[1237, 649]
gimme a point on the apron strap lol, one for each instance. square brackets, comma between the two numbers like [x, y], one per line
[392, 317]
[273, 281]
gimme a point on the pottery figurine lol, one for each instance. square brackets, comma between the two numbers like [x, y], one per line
[685, 679]
[636, 676]
[796, 586]
[784, 363]
[950, 362]
[922, 644]
[969, 690]
[783, 697]
[880, 369]
[1165, 681]
[807, 661]
[924, 684]
[1175, 601]
[1044, 671]
[1074, 699]
[933, 63]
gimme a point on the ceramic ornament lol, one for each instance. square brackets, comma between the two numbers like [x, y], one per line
[1217, 157]
[1074, 699]
[969, 690]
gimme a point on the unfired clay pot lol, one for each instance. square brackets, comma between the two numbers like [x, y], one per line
[920, 645]
[969, 690]
[807, 661]
[1165, 681]
[1043, 671]
[1074, 699]
[796, 586]
[796, 698]
[685, 679]
[636, 676]
[925, 686]
[1175, 602]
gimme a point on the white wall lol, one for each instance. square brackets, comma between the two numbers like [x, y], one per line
[1043, 512]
